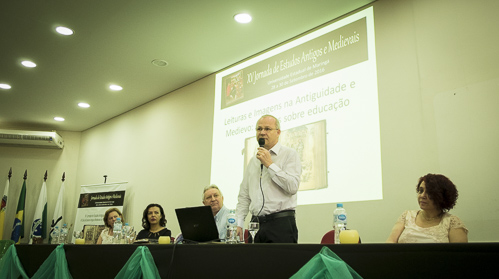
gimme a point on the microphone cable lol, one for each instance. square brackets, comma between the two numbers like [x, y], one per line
[261, 143]
[263, 196]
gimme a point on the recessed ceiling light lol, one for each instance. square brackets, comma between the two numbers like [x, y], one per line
[115, 87]
[5, 86]
[159, 63]
[64, 31]
[242, 18]
[57, 118]
[83, 105]
[28, 64]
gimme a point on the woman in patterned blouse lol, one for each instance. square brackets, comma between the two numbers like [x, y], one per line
[432, 224]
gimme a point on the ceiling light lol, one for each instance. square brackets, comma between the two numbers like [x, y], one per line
[242, 18]
[83, 105]
[159, 63]
[58, 118]
[115, 87]
[64, 31]
[28, 64]
[5, 86]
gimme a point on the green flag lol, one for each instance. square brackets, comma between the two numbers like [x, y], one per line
[18, 227]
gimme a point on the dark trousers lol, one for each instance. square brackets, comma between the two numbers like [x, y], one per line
[279, 230]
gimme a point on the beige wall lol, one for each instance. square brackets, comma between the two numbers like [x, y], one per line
[438, 77]
[37, 161]
[163, 149]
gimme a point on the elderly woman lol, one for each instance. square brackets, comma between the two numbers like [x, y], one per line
[153, 222]
[432, 224]
[106, 236]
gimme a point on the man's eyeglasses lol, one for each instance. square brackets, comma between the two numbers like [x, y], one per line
[259, 129]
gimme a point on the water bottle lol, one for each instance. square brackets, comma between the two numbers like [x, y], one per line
[339, 222]
[55, 235]
[231, 236]
[125, 233]
[64, 234]
[117, 230]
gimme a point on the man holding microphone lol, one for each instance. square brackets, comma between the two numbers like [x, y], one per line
[269, 187]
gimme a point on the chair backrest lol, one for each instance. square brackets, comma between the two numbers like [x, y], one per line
[247, 236]
[328, 238]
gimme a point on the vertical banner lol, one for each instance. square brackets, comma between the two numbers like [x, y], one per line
[93, 202]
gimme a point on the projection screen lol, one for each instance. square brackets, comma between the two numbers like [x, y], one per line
[323, 89]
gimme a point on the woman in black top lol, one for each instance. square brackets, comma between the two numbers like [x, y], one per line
[153, 222]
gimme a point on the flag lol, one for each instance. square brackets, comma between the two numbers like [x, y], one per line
[18, 227]
[39, 227]
[57, 219]
[3, 207]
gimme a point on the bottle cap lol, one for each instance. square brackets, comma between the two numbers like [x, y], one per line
[118, 219]
[126, 224]
[339, 205]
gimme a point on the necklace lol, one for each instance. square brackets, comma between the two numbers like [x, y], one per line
[156, 230]
[430, 218]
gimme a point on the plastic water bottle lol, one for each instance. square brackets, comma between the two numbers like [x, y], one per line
[117, 230]
[231, 236]
[64, 234]
[339, 222]
[55, 235]
[125, 233]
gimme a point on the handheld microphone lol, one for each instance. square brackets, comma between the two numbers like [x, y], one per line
[261, 142]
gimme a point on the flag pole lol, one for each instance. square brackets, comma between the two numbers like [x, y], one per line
[105, 178]
[63, 176]
[25, 174]
[45, 177]
[10, 174]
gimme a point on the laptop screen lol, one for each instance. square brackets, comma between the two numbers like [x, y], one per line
[197, 224]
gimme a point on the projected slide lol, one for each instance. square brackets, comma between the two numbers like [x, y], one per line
[323, 89]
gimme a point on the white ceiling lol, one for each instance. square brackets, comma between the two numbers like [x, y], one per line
[115, 42]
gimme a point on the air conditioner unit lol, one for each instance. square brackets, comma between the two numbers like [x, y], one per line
[31, 139]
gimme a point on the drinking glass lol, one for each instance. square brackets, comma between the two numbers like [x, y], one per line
[129, 235]
[78, 234]
[78, 237]
[253, 228]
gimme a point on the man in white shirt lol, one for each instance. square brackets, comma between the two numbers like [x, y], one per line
[269, 187]
[213, 197]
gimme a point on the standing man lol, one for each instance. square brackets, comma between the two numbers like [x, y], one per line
[213, 197]
[269, 187]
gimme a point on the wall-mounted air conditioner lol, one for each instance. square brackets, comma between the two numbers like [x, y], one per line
[31, 139]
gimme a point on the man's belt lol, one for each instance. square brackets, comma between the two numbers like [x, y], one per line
[270, 217]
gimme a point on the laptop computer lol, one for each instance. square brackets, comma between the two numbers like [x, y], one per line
[197, 224]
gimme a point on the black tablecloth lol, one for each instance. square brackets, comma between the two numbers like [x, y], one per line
[464, 260]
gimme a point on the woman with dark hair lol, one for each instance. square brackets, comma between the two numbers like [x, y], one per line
[153, 222]
[107, 236]
[432, 224]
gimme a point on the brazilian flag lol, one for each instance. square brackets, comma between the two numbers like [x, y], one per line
[18, 227]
